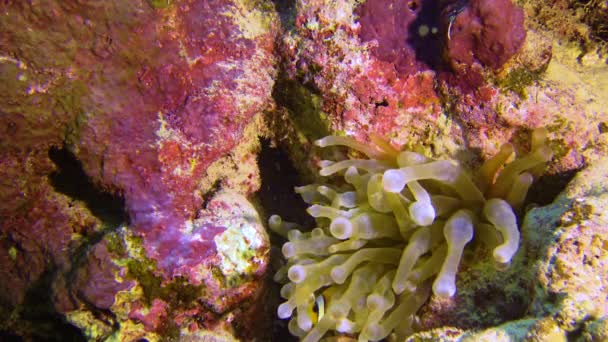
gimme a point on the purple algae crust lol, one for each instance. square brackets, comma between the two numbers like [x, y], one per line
[156, 102]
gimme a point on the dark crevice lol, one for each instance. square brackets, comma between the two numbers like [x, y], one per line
[545, 189]
[276, 193]
[413, 43]
[71, 180]
[304, 105]
[39, 311]
[7, 336]
[492, 298]
[208, 196]
[428, 47]
[383, 103]
[277, 196]
[287, 13]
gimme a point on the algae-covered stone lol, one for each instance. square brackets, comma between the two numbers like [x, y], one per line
[92, 327]
[448, 334]
[224, 280]
[508, 332]
[545, 329]
[528, 330]
[243, 246]
[596, 330]
[568, 239]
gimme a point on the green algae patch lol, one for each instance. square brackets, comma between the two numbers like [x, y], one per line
[178, 292]
[92, 327]
[143, 270]
[568, 240]
[596, 330]
[518, 80]
[489, 296]
[304, 109]
[159, 4]
[12, 253]
[115, 243]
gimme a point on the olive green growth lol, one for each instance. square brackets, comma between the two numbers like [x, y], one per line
[305, 108]
[519, 79]
[159, 4]
[178, 292]
[130, 253]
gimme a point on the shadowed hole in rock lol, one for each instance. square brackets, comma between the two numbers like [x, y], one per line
[412, 5]
[545, 189]
[9, 337]
[287, 13]
[508, 309]
[71, 180]
[38, 309]
[277, 196]
[383, 103]
[279, 177]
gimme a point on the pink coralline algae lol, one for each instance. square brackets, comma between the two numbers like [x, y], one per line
[413, 35]
[385, 64]
[130, 135]
[484, 31]
[38, 224]
[93, 282]
[436, 74]
[184, 104]
[403, 32]
[153, 318]
[144, 98]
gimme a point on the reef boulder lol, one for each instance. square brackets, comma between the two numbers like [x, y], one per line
[441, 75]
[156, 105]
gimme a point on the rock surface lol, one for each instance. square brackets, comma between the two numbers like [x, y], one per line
[383, 72]
[129, 145]
[154, 105]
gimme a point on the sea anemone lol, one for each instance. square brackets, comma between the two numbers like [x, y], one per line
[390, 231]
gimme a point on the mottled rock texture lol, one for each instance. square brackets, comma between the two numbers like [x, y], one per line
[157, 103]
[458, 79]
[484, 31]
[569, 239]
[125, 124]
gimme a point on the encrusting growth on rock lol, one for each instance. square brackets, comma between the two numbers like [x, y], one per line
[396, 222]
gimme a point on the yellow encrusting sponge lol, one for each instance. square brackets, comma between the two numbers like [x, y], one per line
[392, 232]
